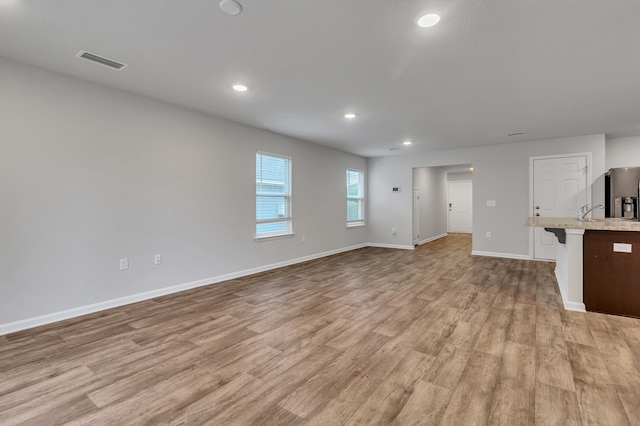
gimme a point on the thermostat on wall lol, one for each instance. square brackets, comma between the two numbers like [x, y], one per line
[395, 189]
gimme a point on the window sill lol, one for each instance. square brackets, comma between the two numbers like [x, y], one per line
[356, 225]
[259, 239]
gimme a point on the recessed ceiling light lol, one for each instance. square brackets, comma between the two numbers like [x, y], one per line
[231, 7]
[428, 20]
[240, 88]
[407, 143]
[470, 169]
[350, 115]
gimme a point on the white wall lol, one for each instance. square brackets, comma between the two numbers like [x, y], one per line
[89, 175]
[459, 176]
[623, 152]
[431, 185]
[501, 173]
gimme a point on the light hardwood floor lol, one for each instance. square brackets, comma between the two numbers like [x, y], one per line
[373, 336]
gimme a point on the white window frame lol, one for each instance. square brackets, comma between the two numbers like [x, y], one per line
[361, 198]
[289, 219]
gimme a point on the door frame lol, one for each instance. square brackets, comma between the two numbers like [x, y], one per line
[531, 178]
[449, 201]
[415, 238]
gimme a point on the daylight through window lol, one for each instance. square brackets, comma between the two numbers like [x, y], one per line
[355, 197]
[273, 195]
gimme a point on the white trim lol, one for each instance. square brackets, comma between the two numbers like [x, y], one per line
[569, 306]
[391, 246]
[356, 225]
[134, 298]
[428, 240]
[260, 238]
[126, 300]
[502, 255]
[531, 176]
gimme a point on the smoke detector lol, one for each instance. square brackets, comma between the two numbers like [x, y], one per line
[230, 7]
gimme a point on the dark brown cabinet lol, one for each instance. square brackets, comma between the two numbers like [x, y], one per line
[612, 278]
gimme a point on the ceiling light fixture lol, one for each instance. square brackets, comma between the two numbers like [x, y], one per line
[428, 20]
[230, 7]
[350, 115]
[470, 169]
[407, 143]
[240, 88]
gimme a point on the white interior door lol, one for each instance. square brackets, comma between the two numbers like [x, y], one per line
[416, 216]
[460, 205]
[559, 189]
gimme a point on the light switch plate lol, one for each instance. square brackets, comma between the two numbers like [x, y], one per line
[621, 248]
[491, 203]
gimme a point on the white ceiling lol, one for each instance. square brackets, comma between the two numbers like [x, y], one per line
[551, 68]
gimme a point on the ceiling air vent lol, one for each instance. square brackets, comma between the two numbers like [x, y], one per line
[100, 60]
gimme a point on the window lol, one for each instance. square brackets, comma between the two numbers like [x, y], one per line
[273, 195]
[355, 197]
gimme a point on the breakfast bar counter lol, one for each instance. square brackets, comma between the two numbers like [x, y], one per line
[597, 224]
[570, 251]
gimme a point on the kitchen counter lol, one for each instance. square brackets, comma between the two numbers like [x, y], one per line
[599, 224]
[570, 252]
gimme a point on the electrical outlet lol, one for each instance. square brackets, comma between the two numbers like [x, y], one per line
[303, 238]
[157, 259]
[394, 232]
[124, 264]
[488, 235]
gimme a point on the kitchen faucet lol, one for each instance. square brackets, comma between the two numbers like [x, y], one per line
[585, 210]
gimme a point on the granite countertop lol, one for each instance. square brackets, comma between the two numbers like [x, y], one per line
[599, 224]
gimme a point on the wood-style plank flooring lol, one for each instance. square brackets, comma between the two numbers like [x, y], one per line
[373, 336]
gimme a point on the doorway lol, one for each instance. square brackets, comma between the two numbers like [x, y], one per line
[559, 189]
[459, 206]
[430, 201]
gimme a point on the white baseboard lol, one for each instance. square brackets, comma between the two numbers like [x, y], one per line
[502, 255]
[391, 246]
[12, 327]
[569, 306]
[573, 306]
[428, 240]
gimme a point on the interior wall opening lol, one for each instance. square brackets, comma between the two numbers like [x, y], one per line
[442, 202]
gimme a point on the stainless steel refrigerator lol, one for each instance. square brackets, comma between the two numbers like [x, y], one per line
[621, 191]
